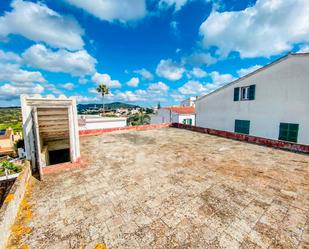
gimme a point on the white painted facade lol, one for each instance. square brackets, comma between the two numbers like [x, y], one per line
[167, 116]
[92, 122]
[281, 96]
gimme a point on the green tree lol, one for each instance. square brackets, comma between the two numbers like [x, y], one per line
[103, 90]
[139, 119]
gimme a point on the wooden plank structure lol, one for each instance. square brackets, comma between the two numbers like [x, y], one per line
[50, 124]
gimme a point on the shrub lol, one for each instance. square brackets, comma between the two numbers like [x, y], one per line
[10, 166]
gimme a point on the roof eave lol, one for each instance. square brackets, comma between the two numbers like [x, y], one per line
[283, 58]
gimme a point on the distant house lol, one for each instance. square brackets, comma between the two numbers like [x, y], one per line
[188, 102]
[175, 114]
[7, 142]
[272, 102]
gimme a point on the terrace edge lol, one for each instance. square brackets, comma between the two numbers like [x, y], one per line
[11, 204]
[83, 133]
[278, 144]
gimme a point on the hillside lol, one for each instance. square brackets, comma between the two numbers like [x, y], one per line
[114, 105]
[10, 117]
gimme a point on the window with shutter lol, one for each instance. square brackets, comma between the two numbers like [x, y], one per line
[236, 94]
[244, 93]
[252, 92]
[242, 126]
[288, 132]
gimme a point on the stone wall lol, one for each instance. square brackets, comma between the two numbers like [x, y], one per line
[11, 204]
[247, 138]
[5, 186]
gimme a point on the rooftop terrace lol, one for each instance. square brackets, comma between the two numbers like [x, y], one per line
[170, 188]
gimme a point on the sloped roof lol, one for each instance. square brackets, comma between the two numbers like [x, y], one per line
[181, 109]
[289, 55]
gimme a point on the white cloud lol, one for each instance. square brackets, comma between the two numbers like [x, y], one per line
[192, 87]
[131, 96]
[268, 28]
[198, 73]
[52, 88]
[13, 73]
[76, 63]
[87, 99]
[9, 91]
[221, 78]
[244, 71]
[144, 73]
[218, 80]
[177, 4]
[82, 80]
[178, 97]
[155, 92]
[158, 88]
[68, 86]
[111, 10]
[134, 81]
[9, 57]
[199, 59]
[170, 70]
[304, 49]
[174, 27]
[39, 23]
[105, 79]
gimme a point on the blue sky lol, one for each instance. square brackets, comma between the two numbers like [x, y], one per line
[145, 50]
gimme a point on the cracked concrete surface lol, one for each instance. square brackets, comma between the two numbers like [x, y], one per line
[172, 188]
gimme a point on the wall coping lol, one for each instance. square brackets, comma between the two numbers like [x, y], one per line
[93, 132]
[248, 138]
[11, 204]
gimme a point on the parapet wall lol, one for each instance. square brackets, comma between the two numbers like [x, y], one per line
[11, 204]
[247, 138]
[128, 128]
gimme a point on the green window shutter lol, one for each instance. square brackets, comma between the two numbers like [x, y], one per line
[236, 94]
[288, 132]
[242, 126]
[252, 92]
[190, 121]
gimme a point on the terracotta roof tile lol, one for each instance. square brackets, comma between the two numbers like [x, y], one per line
[181, 109]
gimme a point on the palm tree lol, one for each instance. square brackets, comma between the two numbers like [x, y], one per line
[103, 90]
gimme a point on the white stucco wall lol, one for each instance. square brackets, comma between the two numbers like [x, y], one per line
[281, 95]
[95, 122]
[181, 117]
[165, 116]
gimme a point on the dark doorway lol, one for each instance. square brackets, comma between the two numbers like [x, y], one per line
[59, 156]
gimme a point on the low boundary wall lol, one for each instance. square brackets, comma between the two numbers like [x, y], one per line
[247, 138]
[11, 204]
[127, 128]
[232, 135]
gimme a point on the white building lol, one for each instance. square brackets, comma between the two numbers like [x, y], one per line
[93, 122]
[272, 102]
[188, 102]
[175, 114]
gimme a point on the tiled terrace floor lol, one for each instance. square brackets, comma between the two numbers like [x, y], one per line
[171, 188]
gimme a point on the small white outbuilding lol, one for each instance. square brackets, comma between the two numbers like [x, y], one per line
[175, 114]
[50, 130]
[272, 102]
